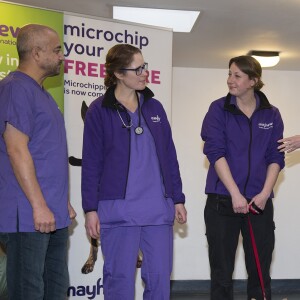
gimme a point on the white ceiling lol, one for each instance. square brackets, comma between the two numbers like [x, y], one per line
[225, 28]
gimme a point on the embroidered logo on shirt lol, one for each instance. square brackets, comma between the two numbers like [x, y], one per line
[155, 119]
[265, 125]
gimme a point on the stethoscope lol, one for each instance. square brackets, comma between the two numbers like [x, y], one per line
[139, 129]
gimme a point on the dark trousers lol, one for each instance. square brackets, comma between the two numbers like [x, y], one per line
[223, 228]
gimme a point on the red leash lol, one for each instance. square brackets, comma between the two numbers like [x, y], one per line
[256, 258]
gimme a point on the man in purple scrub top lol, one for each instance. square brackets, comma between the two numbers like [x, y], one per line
[131, 184]
[34, 209]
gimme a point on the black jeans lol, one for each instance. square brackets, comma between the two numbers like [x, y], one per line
[223, 228]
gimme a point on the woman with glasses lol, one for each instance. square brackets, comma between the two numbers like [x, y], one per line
[131, 185]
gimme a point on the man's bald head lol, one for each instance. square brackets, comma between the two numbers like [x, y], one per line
[30, 36]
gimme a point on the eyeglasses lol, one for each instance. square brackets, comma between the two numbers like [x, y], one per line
[138, 70]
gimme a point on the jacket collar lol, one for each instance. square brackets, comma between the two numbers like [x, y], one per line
[110, 100]
[263, 103]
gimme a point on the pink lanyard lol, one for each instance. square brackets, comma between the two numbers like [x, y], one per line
[256, 258]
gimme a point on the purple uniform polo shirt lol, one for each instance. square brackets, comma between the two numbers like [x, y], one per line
[32, 110]
[144, 203]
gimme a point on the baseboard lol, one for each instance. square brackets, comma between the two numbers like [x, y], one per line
[279, 286]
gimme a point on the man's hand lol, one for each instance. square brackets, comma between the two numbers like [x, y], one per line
[43, 219]
[72, 212]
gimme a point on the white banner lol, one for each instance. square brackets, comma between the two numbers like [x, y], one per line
[86, 42]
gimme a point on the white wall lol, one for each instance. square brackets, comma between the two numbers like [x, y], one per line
[193, 90]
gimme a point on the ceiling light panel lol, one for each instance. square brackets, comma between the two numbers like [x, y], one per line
[177, 20]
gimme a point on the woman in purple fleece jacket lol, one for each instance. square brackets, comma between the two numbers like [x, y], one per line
[241, 132]
[131, 185]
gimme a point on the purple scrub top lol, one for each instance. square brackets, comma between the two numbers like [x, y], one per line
[144, 203]
[30, 109]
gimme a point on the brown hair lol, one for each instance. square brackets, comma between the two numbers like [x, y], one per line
[250, 66]
[118, 57]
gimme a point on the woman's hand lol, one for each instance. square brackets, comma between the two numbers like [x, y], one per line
[240, 204]
[92, 224]
[180, 213]
[289, 144]
[260, 200]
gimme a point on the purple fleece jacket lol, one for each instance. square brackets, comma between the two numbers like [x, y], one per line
[249, 145]
[106, 150]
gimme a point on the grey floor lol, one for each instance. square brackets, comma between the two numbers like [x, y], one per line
[191, 296]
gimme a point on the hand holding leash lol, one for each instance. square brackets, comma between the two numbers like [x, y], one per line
[254, 209]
